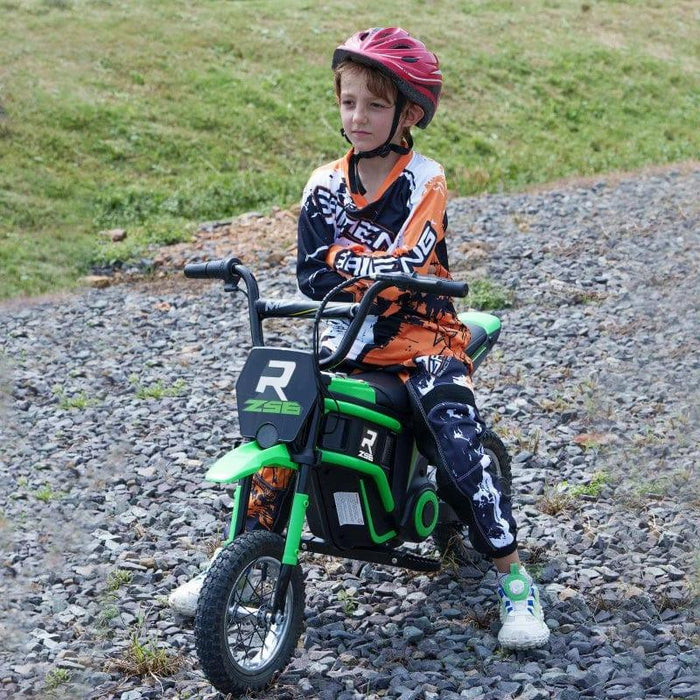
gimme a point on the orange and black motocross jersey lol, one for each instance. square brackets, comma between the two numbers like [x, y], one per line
[342, 235]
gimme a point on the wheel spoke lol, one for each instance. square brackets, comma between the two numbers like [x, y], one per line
[248, 636]
[250, 645]
[242, 613]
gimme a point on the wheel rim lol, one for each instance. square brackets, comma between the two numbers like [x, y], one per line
[253, 638]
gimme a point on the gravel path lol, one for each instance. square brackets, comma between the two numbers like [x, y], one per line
[114, 401]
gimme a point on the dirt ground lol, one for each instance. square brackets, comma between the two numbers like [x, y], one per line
[246, 236]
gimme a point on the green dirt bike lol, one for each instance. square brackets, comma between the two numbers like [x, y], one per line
[360, 484]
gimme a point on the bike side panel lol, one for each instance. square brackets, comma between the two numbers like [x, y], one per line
[368, 485]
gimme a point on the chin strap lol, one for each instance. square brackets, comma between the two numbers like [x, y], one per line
[356, 186]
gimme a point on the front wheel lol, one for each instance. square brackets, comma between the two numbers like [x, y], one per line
[239, 645]
[451, 537]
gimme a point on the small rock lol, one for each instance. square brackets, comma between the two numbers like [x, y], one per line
[97, 281]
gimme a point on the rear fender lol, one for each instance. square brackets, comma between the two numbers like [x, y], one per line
[247, 459]
[485, 329]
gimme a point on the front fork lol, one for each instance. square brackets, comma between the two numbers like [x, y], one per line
[290, 557]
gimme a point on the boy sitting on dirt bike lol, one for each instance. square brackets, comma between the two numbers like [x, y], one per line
[381, 208]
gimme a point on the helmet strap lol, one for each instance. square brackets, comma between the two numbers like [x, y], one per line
[356, 186]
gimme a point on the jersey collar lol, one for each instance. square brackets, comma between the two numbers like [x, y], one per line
[359, 200]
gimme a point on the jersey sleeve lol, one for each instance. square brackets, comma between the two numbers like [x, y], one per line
[416, 246]
[315, 237]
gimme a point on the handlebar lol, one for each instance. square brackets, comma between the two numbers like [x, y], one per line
[383, 280]
[213, 269]
[423, 283]
[231, 271]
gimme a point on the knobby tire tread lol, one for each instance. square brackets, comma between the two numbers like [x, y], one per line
[210, 638]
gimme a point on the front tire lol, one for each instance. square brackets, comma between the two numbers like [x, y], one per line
[451, 537]
[240, 647]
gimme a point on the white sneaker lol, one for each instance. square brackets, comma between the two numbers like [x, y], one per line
[184, 598]
[522, 618]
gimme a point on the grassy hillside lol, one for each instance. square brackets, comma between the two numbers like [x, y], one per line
[154, 116]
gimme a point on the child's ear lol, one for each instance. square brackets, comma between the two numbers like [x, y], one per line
[413, 114]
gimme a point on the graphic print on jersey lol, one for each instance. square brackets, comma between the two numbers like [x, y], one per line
[356, 225]
[342, 235]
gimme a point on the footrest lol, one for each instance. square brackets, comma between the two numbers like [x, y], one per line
[394, 557]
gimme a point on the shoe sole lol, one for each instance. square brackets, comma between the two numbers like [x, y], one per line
[520, 644]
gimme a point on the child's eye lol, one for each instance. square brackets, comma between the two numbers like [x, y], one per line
[378, 105]
[347, 103]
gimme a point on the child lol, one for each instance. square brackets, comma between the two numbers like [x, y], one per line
[382, 208]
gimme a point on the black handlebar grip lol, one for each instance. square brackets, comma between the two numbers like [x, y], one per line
[451, 288]
[421, 283]
[196, 270]
[212, 270]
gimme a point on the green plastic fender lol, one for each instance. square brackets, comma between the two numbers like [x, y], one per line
[488, 322]
[247, 459]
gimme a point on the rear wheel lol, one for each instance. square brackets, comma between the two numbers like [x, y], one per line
[239, 644]
[451, 537]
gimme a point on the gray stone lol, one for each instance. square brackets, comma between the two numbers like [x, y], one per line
[601, 278]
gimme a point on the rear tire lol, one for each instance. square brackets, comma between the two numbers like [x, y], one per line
[239, 646]
[451, 537]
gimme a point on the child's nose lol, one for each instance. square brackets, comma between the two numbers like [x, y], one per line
[360, 114]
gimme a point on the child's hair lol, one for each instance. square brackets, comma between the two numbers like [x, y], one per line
[378, 84]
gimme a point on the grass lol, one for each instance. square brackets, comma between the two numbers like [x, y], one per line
[555, 499]
[486, 295]
[158, 391]
[56, 677]
[118, 578]
[347, 597]
[563, 496]
[156, 116]
[107, 614]
[80, 401]
[46, 494]
[143, 658]
[679, 484]
[593, 488]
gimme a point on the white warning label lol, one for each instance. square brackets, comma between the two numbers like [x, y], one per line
[347, 503]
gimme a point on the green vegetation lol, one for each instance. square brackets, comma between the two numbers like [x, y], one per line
[56, 677]
[593, 488]
[80, 401]
[146, 658]
[347, 597]
[486, 295]
[46, 494]
[643, 487]
[107, 614]
[118, 578]
[563, 495]
[158, 391]
[156, 116]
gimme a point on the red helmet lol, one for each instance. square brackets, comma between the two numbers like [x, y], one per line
[413, 68]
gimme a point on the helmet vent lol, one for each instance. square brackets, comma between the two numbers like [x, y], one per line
[409, 59]
[405, 47]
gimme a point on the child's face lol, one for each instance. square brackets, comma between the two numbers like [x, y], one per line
[366, 117]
